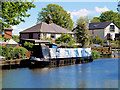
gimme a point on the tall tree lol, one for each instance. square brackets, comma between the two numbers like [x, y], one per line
[12, 13]
[57, 15]
[95, 20]
[81, 30]
[110, 16]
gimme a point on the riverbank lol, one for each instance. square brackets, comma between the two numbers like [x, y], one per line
[115, 55]
[22, 63]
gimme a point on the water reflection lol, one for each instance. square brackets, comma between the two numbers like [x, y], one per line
[101, 73]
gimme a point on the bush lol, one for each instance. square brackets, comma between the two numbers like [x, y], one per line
[95, 54]
[5, 51]
[65, 38]
[16, 52]
[96, 40]
[13, 52]
[23, 52]
[28, 45]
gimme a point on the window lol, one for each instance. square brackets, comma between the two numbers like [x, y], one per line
[112, 28]
[92, 31]
[52, 35]
[31, 36]
[39, 36]
[44, 35]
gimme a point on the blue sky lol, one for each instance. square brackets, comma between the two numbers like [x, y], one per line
[77, 10]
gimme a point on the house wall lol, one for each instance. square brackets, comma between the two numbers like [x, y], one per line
[24, 36]
[8, 34]
[99, 32]
[107, 30]
[48, 35]
[35, 35]
[58, 35]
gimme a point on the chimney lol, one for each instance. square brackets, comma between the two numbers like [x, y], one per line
[8, 33]
[48, 21]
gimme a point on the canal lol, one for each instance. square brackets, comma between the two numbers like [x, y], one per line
[101, 73]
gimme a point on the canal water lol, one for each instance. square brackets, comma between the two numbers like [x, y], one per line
[101, 73]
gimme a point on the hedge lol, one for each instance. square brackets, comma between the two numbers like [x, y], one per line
[95, 54]
[13, 52]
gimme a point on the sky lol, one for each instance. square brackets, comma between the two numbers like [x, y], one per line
[76, 8]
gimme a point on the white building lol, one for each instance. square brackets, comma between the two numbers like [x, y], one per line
[106, 30]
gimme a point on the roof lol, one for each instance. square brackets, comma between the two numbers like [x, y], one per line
[46, 28]
[8, 28]
[11, 41]
[2, 42]
[100, 25]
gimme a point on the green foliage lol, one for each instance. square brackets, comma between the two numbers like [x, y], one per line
[50, 39]
[81, 34]
[13, 52]
[28, 45]
[5, 51]
[14, 12]
[95, 54]
[16, 38]
[110, 16]
[5, 39]
[83, 20]
[96, 40]
[95, 20]
[57, 15]
[65, 38]
[17, 52]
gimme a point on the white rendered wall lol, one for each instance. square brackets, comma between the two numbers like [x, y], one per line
[107, 30]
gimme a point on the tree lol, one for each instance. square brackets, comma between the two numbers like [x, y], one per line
[14, 11]
[97, 40]
[57, 15]
[16, 38]
[95, 20]
[82, 32]
[28, 45]
[65, 38]
[84, 20]
[110, 16]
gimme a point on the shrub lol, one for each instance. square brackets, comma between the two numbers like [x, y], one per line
[23, 52]
[95, 54]
[65, 38]
[28, 45]
[5, 51]
[96, 40]
[16, 52]
[13, 52]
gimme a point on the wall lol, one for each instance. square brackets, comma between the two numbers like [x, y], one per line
[58, 35]
[24, 36]
[107, 30]
[35, 35]
[99, 32]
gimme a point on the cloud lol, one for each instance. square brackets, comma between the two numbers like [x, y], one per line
[20, 30]
[79, 13]
[14, 27]
[101, 9]
[16, 30]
